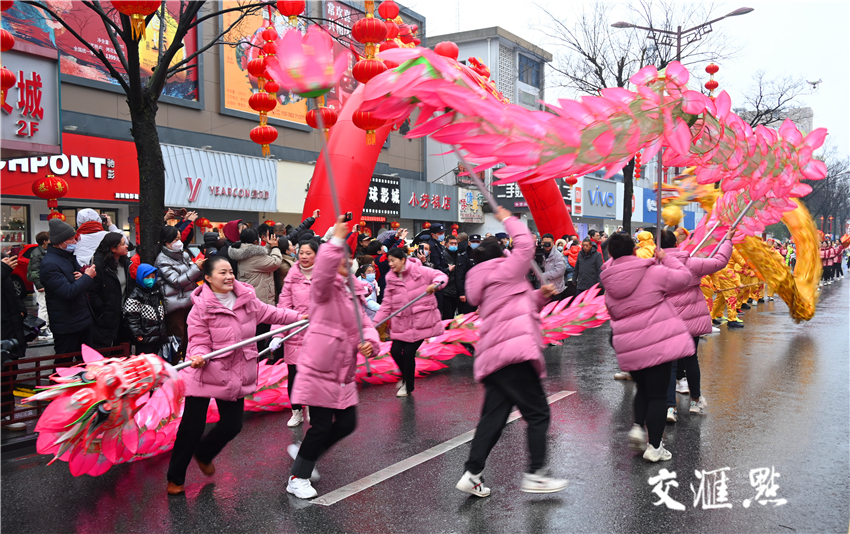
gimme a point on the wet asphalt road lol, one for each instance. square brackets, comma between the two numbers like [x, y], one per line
[778, 398]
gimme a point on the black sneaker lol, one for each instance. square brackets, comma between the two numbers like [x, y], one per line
[745, 306]
[761, 301]
[716, 322]
[735, 324]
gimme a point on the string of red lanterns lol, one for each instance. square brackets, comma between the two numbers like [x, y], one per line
[7, 42]
[637, 165]
[265, 99]
[711, 84]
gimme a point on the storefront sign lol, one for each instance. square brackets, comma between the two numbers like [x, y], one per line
[30, 113]
[649, 205]
[598, 198]
[373, 219]
[95, 169]
[425, 201]
[384, 197]
[470, 206]
[509, 196]
[201, 179]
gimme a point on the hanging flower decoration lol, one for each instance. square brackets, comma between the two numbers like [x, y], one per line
[304, 65]
[137, 10]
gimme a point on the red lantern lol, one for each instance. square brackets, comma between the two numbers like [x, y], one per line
[388, 9]
[272, 87]
[363, 223]
[270, 34]
[257, 67]
[392, 29]
[369, 31]
[264, 135]
[329, 118]
[7, 81]
[7, 41]
[426, 225]
[365, 121]
[571, 180]
[50, 188]
[262, 102]
[447, 49]
[269, 223]
[6, 4]
[395, 225]
[137, 10]
[203, 222]
[270, 49]
[711, 85]
[291, 9]
[366, 69]
[712, 69]
[59, 215]
[454, 229]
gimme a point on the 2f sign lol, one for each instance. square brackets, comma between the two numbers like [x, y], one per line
[26, 129]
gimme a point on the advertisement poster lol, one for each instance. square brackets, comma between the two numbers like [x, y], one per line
[239, 85]
[32, 25]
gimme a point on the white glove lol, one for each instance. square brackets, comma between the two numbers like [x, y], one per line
[275, 344]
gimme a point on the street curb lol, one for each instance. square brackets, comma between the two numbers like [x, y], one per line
[18, 447]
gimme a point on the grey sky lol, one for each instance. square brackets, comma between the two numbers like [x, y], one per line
[809, 39]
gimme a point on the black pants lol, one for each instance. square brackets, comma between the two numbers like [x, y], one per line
[562, 295]
[73, 342]
[651, 399]
[465, 307]
[190, 434]
[263, 328]
[449, 307]
[327, 427]
[404, 354]
[515, 385]
[290, 381]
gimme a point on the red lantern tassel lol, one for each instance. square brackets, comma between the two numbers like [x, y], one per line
[370, 137]
[267, 151]
[137, 22]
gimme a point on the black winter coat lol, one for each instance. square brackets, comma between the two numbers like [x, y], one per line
[436, 256]
[588, 268]
[12, 312]
[464, 264]
[67, 301]
[144, 314]
[107, 300]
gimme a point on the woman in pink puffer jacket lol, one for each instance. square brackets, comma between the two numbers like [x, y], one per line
[690, 306]
[408, 279]
[509, 355]
[648, 334]
[295, 295]
[328, 361]
[225, 311]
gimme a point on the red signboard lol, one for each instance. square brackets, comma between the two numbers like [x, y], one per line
[95, 169]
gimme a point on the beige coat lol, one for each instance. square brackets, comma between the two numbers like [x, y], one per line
[257, 267]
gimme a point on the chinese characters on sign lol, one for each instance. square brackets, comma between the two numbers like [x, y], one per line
[428, 201]
[470, 206]
[383, 197]
[713, 490]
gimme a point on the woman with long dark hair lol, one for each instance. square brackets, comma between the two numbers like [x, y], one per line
[112, 285]
[226, 311]
[180, 275]
[407, 279]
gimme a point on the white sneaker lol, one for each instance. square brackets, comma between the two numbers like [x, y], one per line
[473, 484]
[682, 386]
[14, 426]
[301, 488]
[402, 391]
[292, 450]
[671, 415]
[541, 482]
[623, 375]
[715, 330]
[637, 438]
[657, 455]
[296, 419]
[45, 333]
[698, 406]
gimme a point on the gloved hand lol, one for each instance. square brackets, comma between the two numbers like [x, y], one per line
[276, 343]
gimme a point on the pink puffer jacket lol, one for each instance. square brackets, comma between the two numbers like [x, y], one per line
[328, 359]
[509, 308]
[420, 321]
[212, 326]
[294, 295]
[690, 303]
[647, 330]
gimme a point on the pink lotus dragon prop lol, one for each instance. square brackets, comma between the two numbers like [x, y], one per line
[123, 410]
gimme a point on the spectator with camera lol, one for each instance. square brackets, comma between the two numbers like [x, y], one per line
[34, 276]
[90, 233]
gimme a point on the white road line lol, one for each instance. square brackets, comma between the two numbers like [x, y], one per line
[388, 472]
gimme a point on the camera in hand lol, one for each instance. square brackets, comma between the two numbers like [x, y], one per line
[10, 349]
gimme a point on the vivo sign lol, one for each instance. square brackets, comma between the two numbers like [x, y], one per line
[601, 198]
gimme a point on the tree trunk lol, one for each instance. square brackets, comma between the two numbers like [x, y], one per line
[151, 174]
[628, 191]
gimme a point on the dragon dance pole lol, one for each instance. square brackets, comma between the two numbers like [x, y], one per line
[734, 225]
[705, 238]
[268, 350]
[492, 201]
[409, 304]
[320, 122]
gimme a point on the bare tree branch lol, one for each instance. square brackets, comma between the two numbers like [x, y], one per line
[770, 101]
[112, 30]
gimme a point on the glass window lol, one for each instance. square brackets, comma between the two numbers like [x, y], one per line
[529, 71]
[71, 214]
[14, 222]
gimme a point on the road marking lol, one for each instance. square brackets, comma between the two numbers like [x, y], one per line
[388, 472]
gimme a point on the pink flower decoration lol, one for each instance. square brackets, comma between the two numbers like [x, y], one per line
[305, 65]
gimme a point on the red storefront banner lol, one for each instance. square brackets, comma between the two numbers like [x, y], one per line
[95, 169]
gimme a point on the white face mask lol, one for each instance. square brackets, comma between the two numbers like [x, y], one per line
[177, 246]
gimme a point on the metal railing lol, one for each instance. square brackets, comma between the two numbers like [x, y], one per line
[30, 373]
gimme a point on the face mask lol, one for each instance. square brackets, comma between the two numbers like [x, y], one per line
[440, 237]
[71, 248]
[560, 249]
[384, 249]
[474, 246]
[370, 277]
[149, 282]
[177, 246]
[453, 248]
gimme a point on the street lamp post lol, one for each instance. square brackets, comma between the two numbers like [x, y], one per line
[666, 37]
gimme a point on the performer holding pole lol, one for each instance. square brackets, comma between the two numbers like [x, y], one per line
[224, 310]
[414, 324]
[509, 356]
[328, 361]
